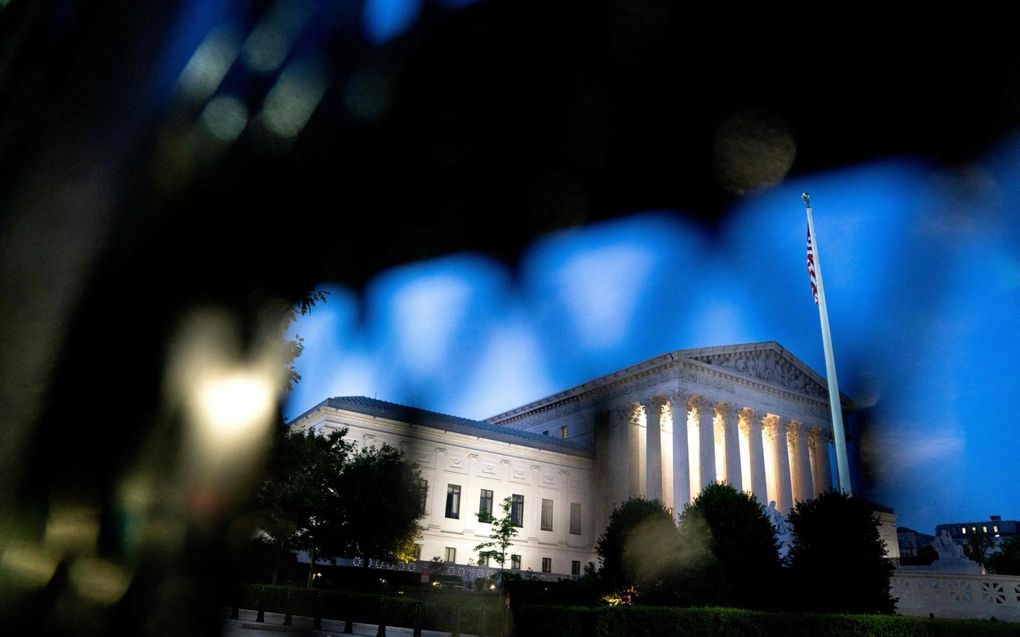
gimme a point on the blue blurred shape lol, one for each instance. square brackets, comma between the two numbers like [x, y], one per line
[387, 19]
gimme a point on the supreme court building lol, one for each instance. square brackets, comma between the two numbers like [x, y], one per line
[753, 416]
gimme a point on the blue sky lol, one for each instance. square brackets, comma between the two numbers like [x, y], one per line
[922, 275]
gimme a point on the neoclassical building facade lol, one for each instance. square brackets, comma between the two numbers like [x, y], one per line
[753, 416]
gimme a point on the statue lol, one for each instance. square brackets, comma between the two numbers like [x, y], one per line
[947, 548]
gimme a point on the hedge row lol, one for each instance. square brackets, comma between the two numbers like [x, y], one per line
[638, 621]
[368, 608]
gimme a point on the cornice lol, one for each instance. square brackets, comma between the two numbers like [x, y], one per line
[669, 367]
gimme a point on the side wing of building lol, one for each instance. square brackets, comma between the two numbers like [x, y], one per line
[470, 466]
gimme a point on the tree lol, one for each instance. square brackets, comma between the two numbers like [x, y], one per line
[978, 546]
[380, 496]
[639, 546]
[1007, 560]
[500, 538]
[838, 560]
[323, 497]
[299, 503]
[739, 535]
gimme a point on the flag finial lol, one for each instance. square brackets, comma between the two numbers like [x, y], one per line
[807, 199]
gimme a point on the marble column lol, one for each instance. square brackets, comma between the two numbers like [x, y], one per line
[653, 448]
[820, 450]
[800, 469]
[637, 477]
[783, 458]
[732, 437]
[681, 462]
[706, 441]
[619, 455]
[752, 420]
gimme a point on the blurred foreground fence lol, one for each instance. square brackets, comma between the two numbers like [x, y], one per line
[959, 596]
[456, 616]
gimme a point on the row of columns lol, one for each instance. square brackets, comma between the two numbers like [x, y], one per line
[670, 449]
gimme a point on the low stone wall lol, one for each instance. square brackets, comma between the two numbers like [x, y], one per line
[959, 596]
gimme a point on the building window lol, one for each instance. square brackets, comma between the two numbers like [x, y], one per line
[547, 515]
[423, 486]
[515, 562]
[575, 518]
[485, 506]
[453, 501]
[450, 555]
[517, 510]
[484, 560]
[575, 568]
[984, 529]
[563, 431]
[547, 565]
[964, 529]
[545, 433]
[995, 529]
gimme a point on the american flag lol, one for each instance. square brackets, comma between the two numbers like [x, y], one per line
[811, 266]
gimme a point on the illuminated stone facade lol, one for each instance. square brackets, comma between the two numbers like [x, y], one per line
[753, 416]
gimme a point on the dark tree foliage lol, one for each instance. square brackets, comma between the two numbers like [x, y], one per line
[735, 530]
[323, 497]
[299, 505]
[838, 560]
[978, 546]
[639, 546]
[380, 496]
[1007, 560]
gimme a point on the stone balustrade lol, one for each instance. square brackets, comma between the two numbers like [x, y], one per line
[957, 596]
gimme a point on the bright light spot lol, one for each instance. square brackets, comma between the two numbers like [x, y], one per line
[293, 99]
[74, 528]
[229, 401]
[601, 288]
[225, 117]
[210, 63]
[236, 403]
[385, 19]
[98, 580]
[267, 46]
[30, 565]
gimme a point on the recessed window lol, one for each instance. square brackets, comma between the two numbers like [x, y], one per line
[515, 562]
[563, 431]
[575, 518]
[995, 529]
[547, 515]
[517, 510]
[964, 529]
[545, 433]
[453, 501]
[547, 565]
[423, 506]
[575, 568]
[485, 505]
[450, 555]
[984, 529]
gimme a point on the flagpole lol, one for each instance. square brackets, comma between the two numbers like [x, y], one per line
[842, 466]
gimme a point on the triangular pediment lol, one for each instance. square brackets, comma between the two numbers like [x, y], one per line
[766, 362]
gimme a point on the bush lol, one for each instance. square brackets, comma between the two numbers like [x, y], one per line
[733, 528]
[838, 561]
[637, 621]
[639, 546]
